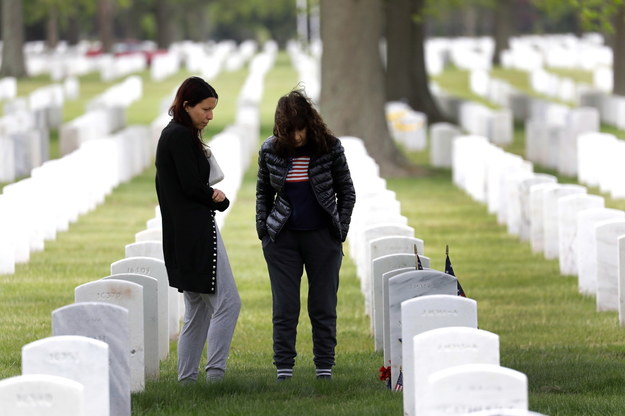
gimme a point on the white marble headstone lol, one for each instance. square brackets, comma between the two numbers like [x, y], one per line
[507, 176]
[495, 166]
[442, 136]
[473, 387]
[376, 231]
[41, 394]
[512, 193]
[145, 249]
[363, 255]
[445, 347]
[130, 296]
[151, 335]
[587, 245]
[550, 216]
[381, 265]
[568, 208]
[150, 234]
[109, 323]
[537, 212]
[426, 313]
[384, 246]
[386, 316]
[607, 234]
[76, 357]
[408, 285]
[524, 201]
[167, 296]
[580, 120]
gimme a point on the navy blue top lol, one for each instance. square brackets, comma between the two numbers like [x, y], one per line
[306, 213]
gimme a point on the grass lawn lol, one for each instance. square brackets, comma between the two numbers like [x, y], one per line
[574, 357]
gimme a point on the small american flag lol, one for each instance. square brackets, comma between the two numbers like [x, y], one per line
[399, 386]
[450, 270]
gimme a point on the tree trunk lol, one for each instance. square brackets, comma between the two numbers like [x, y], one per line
[503, 28]
[421, 97]
[164, 20]
[105, 24]
[73, 30]
[128, 22]
[13, 63]
[353, 93]
[52, 28]
[399, 50]
[469, 19]
[618, 51]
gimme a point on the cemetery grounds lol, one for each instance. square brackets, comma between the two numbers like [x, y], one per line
[573, 356]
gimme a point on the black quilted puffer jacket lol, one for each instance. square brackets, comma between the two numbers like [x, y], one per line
[330, 180]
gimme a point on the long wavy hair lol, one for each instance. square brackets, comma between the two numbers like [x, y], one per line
[295, 111]
[192, 91]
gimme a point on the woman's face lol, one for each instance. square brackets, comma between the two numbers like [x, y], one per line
[202, 112]
[299, 137]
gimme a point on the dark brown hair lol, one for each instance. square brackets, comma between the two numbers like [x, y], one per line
[192, 91]
[295, 111]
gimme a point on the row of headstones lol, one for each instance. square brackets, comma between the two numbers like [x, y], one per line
[567, 139]
[122, 94]
[111, 159]
[610, 108]
[23, 144]
[525, 52]
[25, 128]
[52, 95]
[164, 64]
[397, 282]
[210, 58]
[105, 113]
[588, 53]
[103, 374]
[594, 152]
[70, 61]
[446, 364]
[34, 209]
[560, 220]
[107, 343]
[551, 129]
[307, 66]
[405, 304]
[476, 118]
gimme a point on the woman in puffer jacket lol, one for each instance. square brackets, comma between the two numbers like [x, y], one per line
[304, 201]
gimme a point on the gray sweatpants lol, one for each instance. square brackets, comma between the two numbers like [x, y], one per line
[210, 320]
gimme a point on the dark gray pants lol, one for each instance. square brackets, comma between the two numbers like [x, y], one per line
[320, 254]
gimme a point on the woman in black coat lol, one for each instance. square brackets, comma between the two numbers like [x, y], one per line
[195, 256]
[304, 203]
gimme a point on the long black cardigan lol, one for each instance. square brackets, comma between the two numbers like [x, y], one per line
[187, 210]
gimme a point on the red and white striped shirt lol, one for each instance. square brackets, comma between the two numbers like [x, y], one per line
[299, 169]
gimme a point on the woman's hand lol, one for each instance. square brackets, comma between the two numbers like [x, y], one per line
[218, 196]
